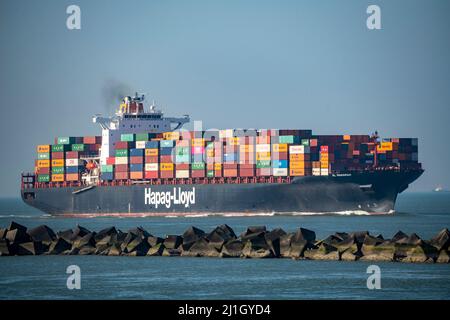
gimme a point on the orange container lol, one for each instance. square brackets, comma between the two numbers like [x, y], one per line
[43, 148]
[151, 152]
[136, 175]
[72, 177]
[166, 166]
[43, 163]
[58, 163]
[57, 177]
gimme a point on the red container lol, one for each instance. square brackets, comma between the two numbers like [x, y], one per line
[89, 140]
[58, 155]
[231, 166]
[323, 148]
[198, 173]
[151, 159]
[230, 172]
[246, 166]
[121, 175]
[43, 170]
[217, 173]
[263, 172]
[124, 145]
[110, 160]
[136, 175]
[279, 155]
[166, 159]
[72, 155]
[121, 168]
[165, 174]
[246, 172]
[182, 166]
[72, 177]
[151, 175]
[136, 160]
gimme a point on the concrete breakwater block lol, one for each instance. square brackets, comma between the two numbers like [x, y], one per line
[255, 242]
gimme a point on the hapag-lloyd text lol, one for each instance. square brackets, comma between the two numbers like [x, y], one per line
[167, 198]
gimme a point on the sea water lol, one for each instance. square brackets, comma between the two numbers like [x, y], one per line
[44, 277]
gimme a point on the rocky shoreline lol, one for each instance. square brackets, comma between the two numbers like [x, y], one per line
[255, 242]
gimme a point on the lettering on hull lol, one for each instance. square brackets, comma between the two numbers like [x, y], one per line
[176, 197]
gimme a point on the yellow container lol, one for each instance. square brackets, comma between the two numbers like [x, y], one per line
[263, 156]
[58, 177]
[58, 163]
[296, 172]
[246, 148]
[324, 165]
[297, 165]
[217, 166]
[43, 148]
[166, 166]
[210, 153]
[171, 135]
[151, 152]
[385, 146]
[280, 147]
[233, 141]
[346, 137]
[198, 142]
[43, 163]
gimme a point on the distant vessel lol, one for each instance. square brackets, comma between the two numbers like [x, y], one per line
[140, 165]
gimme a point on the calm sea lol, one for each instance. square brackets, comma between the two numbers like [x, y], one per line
[44, 277]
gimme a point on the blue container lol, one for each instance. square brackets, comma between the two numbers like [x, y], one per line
[136, 167]
[136, 152]
[182, 158]
[279, 163]
[230, 157]
[151, 144]
[73, 169]
[166, 143]
[107, 176]
[165, 151]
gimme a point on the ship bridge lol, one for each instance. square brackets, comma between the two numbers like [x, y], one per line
[131, 117]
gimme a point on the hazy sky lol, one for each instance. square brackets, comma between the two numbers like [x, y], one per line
[277, 64]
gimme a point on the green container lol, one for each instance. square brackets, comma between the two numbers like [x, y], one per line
[209, 145]
[210, 173]
[65, 140]
[43, 178]
[286, 139]
[57, 170]
[141, 136]
[78, 147]
[198, 166]
[44, 156]
[305, 142]
[182, 159]
[107, 168]
[166, 143]
[121, 153]
[127, 137]
[181, 151]
[262, 164]
[60, 147]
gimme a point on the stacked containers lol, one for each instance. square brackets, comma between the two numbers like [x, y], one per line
[166, 166]
[324, 160]
[182, 158]
[299, 160]
[263, 156]
[42, 166]
[136, 164]
[230, 157]
[218, 158]
[198, 163]
[280, 158]
[73, 164]
[58, 158]
[121, 160]
[247, 156]
[151, 169]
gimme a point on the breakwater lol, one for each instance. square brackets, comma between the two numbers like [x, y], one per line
[255, 242]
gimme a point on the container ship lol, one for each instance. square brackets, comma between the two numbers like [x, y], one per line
[146, 164]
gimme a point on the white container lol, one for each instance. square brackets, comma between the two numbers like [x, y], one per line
[140, 144]
[298, 149]
[324, 172]
[121, 160]
[316, 171]
[279, 172]
[73, 162]
[181, 173]
[151, 167]
[263, 148]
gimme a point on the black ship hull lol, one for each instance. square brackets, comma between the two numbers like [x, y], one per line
[371, 192]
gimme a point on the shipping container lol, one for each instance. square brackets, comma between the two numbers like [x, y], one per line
[43, 148]
[128, 137]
